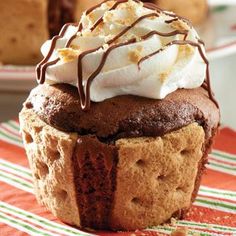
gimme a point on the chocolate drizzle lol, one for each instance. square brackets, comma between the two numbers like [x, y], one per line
[173, 33]
[172, 20]
[42, 66]
[85, 98]
[131, 26]
[100, 20]
[201, 42]
[85, 95]
[207, 83]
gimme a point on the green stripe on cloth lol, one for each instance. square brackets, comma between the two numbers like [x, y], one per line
[222, 159]
[23, 226]
[220, 168]
[225, 155]
[218, 228]
[169, 229]
[166, 230]
[8, 135]
[16, 181]
[14, 125]
[217, 193]
[10, 129]
[221, 165]
[216, 204]
[16, 169]
[35, 219]
[9, 139]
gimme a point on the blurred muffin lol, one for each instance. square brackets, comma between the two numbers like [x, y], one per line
[83, 5]
[23, 28]
[26, 24]
[194, 10]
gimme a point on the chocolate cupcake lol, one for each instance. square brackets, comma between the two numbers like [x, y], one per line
[118, 130]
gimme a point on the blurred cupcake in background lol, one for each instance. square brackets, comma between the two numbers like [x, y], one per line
[26, 24]
[194, 10]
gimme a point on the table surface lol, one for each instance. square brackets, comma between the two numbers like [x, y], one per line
[11, 104]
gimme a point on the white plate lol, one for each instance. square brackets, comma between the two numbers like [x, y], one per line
[17, 78]
[218, 32]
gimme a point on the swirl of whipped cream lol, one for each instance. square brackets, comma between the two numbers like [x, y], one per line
[128, 48]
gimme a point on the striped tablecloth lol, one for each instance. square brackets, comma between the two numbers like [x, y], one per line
[213, 212]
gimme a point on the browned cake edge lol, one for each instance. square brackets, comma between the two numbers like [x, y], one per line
[94, 168]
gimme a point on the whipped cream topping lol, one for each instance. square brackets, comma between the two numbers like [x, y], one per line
[126, 47]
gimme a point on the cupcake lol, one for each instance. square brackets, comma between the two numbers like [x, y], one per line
[118, 130]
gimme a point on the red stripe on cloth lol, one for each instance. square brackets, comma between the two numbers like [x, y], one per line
[136, 233]
[218, 199]
[226, 141]
[210, 216]
[25, 201]
[215, 179]
[10, 231]
[13, 153]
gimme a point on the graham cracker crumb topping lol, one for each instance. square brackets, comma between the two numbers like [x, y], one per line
[68, 54]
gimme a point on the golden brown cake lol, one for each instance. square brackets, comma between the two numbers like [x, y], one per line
[118, 130]
[194, 10]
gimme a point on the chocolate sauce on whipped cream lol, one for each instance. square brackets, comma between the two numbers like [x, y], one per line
[42, 66]
[85, 96]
